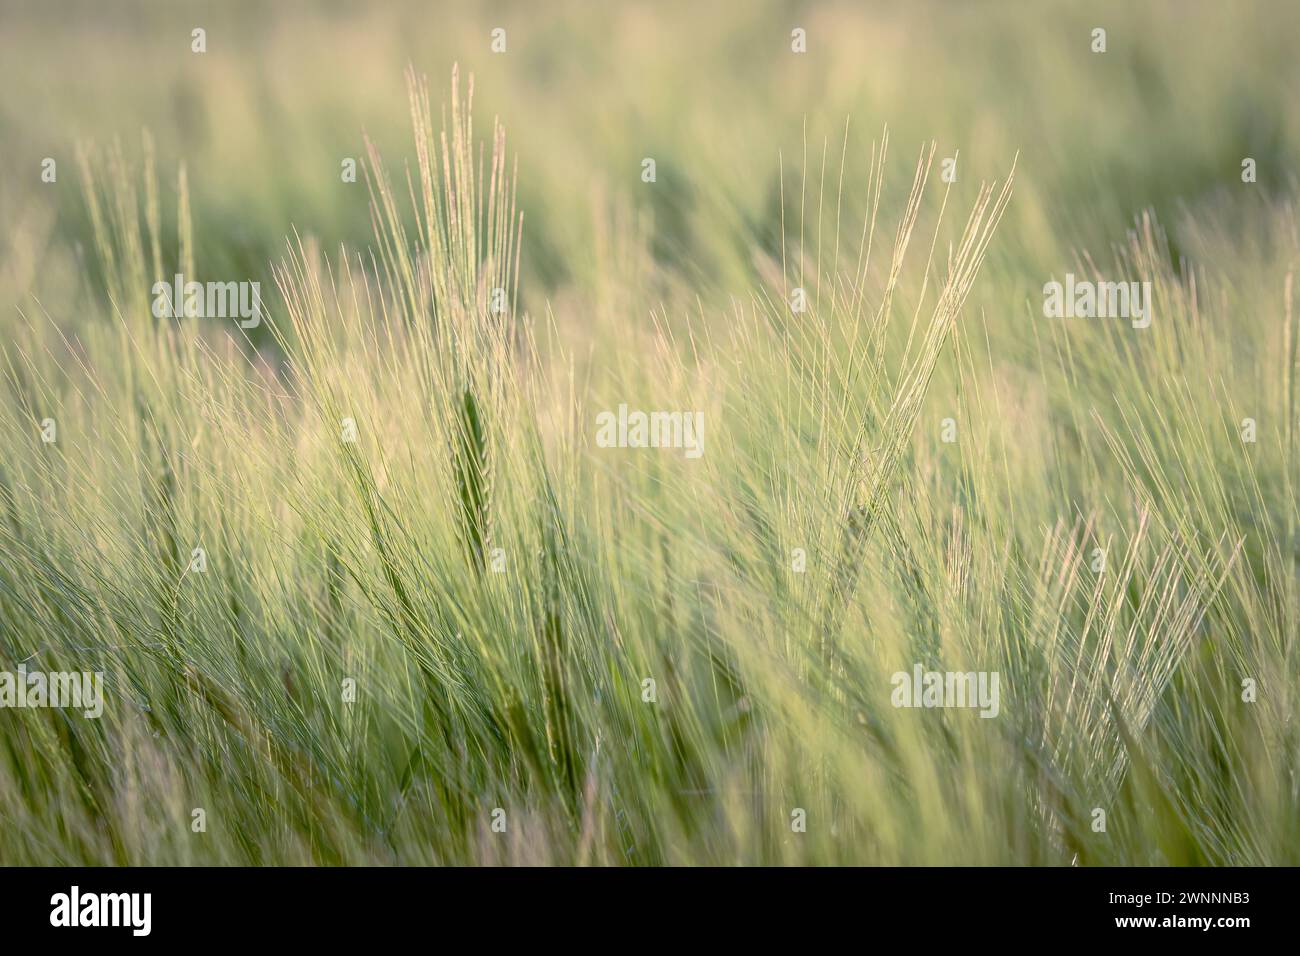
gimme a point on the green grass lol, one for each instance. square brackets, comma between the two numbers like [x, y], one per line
[499, 588]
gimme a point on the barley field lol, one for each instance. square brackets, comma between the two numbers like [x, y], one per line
[649, 434]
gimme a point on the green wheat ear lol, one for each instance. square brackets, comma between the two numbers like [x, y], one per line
[471, 479]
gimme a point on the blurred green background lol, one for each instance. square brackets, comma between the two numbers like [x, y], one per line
[713, 92]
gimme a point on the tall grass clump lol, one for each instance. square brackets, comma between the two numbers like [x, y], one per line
[438, 623]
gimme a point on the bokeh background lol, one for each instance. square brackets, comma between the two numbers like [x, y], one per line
[586, 90]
